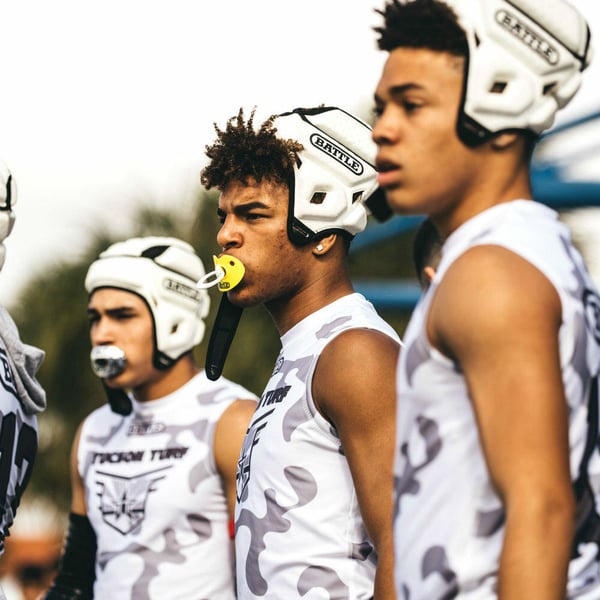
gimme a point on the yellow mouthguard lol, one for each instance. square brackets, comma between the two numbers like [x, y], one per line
[234, 271]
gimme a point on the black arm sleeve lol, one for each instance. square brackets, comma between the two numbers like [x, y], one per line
[77, 568]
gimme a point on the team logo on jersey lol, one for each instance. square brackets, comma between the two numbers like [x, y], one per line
[278, 366]
[245, 462]
[146, 428]
[591, 301]
[123, 499]
[6, 376]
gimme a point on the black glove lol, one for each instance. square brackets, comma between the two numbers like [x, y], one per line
[77, 567]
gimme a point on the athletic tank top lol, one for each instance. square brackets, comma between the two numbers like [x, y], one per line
[155, 499]
[448, 521]
[298, 526]
[18, 446]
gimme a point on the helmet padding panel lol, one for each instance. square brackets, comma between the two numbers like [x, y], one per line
[335, 172]
[525, 62]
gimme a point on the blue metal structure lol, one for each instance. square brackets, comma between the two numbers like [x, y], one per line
[549, 185]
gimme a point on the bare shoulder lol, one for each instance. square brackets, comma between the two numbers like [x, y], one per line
[229, 435]
[356, 344]
[355, 367]
[76, 439]
[238, 413]
[356, 348]
[232, 426]
[78, 504]
[488, 293]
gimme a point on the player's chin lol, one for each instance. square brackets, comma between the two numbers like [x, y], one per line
[117, 382]
[243, 298]
[400, 200]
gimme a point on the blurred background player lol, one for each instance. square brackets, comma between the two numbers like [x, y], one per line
[314, 479]
[497, 460]
[21, 396]
[427, 252]
[153, 471]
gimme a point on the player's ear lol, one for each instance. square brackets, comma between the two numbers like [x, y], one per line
[324, 244]
[429, 273]
[505, 140]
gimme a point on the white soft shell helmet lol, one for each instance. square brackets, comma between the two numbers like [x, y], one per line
[163, 271]
[335, 175]
[525, 62]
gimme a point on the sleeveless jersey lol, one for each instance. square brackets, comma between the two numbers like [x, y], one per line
[18, 445]
[155, 499]
[298, 525]
[448, 520]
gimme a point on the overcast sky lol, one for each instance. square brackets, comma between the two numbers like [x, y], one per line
[108, 105]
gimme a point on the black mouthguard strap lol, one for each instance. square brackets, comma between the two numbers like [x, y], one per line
[118, 400]
[221, 336]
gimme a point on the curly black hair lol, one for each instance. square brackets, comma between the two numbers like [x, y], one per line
[240, 152]
[430, 24]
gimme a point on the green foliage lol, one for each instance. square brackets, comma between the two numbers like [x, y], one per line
[51, 314]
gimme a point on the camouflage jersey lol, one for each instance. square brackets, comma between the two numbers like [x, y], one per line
[155, 499]
[18, 443]
[449, 521]
[298, 525]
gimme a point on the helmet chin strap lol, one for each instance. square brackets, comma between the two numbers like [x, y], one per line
[229, 271]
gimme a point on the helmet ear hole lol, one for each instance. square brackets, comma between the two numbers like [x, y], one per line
[498, 87]
[318, 198]
[154, 251]
[549, 88]
[357, 196]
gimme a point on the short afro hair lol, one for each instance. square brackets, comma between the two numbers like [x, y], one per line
[240, 153]
[429, 24]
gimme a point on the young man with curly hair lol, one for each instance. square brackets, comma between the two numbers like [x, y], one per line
[497, 464]
[314, 482]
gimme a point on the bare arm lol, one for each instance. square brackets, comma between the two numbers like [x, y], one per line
[77, 488]
[229, 436]
[354, 387]
[499, 317]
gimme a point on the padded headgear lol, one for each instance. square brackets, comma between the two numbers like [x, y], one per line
[8, 198]
[334, 176]
[163, 271]
[525, 62]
